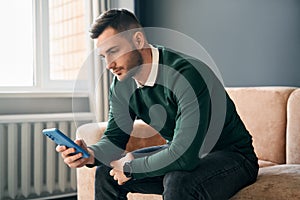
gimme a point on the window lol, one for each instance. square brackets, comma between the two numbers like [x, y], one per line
[16, 63]
[67, 38]
[45, 44]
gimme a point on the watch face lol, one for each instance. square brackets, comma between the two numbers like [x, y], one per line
[127, 170]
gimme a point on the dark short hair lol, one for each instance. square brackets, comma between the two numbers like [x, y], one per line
[119, 19]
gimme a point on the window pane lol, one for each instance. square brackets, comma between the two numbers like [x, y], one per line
[16, 63]
[67, 38]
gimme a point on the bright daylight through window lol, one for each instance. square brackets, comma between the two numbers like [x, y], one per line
[42, 42]
[16, 63]
[67, 38]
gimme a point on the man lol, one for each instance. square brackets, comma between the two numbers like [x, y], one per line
[209, 154]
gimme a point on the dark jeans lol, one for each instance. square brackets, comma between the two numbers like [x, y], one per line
[219, 176]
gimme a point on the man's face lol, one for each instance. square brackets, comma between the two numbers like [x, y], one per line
[120, 55]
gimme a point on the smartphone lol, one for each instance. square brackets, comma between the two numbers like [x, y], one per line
[61, 139]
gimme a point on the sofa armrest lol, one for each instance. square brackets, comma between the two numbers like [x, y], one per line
[293, 128]
[91, 132]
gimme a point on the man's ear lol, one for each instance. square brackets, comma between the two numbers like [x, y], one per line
[138, 40]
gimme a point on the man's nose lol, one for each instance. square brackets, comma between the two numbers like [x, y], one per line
[110, 65]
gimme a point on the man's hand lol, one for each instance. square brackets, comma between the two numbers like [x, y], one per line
[117, 171]
[76, 160]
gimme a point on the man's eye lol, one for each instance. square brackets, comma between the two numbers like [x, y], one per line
[112, 52]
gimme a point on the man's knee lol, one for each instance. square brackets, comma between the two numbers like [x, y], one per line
[181, 185]
[176, 181]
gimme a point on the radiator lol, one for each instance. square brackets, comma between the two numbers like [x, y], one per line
[29, 165]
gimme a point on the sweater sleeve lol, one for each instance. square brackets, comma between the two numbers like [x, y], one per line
[192, 122]
[120, 123]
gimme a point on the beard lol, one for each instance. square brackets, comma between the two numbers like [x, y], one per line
[134, 64]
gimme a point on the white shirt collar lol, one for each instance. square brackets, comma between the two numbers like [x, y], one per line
[154, 69]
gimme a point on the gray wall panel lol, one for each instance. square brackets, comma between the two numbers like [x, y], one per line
[253, 42]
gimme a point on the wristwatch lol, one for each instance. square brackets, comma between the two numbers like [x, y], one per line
[127, 170]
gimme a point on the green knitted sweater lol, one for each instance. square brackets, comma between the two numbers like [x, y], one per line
[187, 105]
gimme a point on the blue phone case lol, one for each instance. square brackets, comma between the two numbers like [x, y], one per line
[61, 139]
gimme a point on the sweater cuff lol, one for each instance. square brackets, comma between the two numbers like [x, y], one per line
[96, 163]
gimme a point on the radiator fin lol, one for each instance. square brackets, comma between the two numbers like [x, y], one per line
[26, 159]
[13, 160]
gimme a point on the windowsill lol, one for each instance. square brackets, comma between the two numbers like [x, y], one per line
[43, 102]
[39, 94]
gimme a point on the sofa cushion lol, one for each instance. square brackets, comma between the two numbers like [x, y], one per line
[263, 110]
[138, 196]
[263, 163]
[275, 182]
[143, 135]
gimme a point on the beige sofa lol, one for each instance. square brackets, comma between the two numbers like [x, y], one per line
[271, 114]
